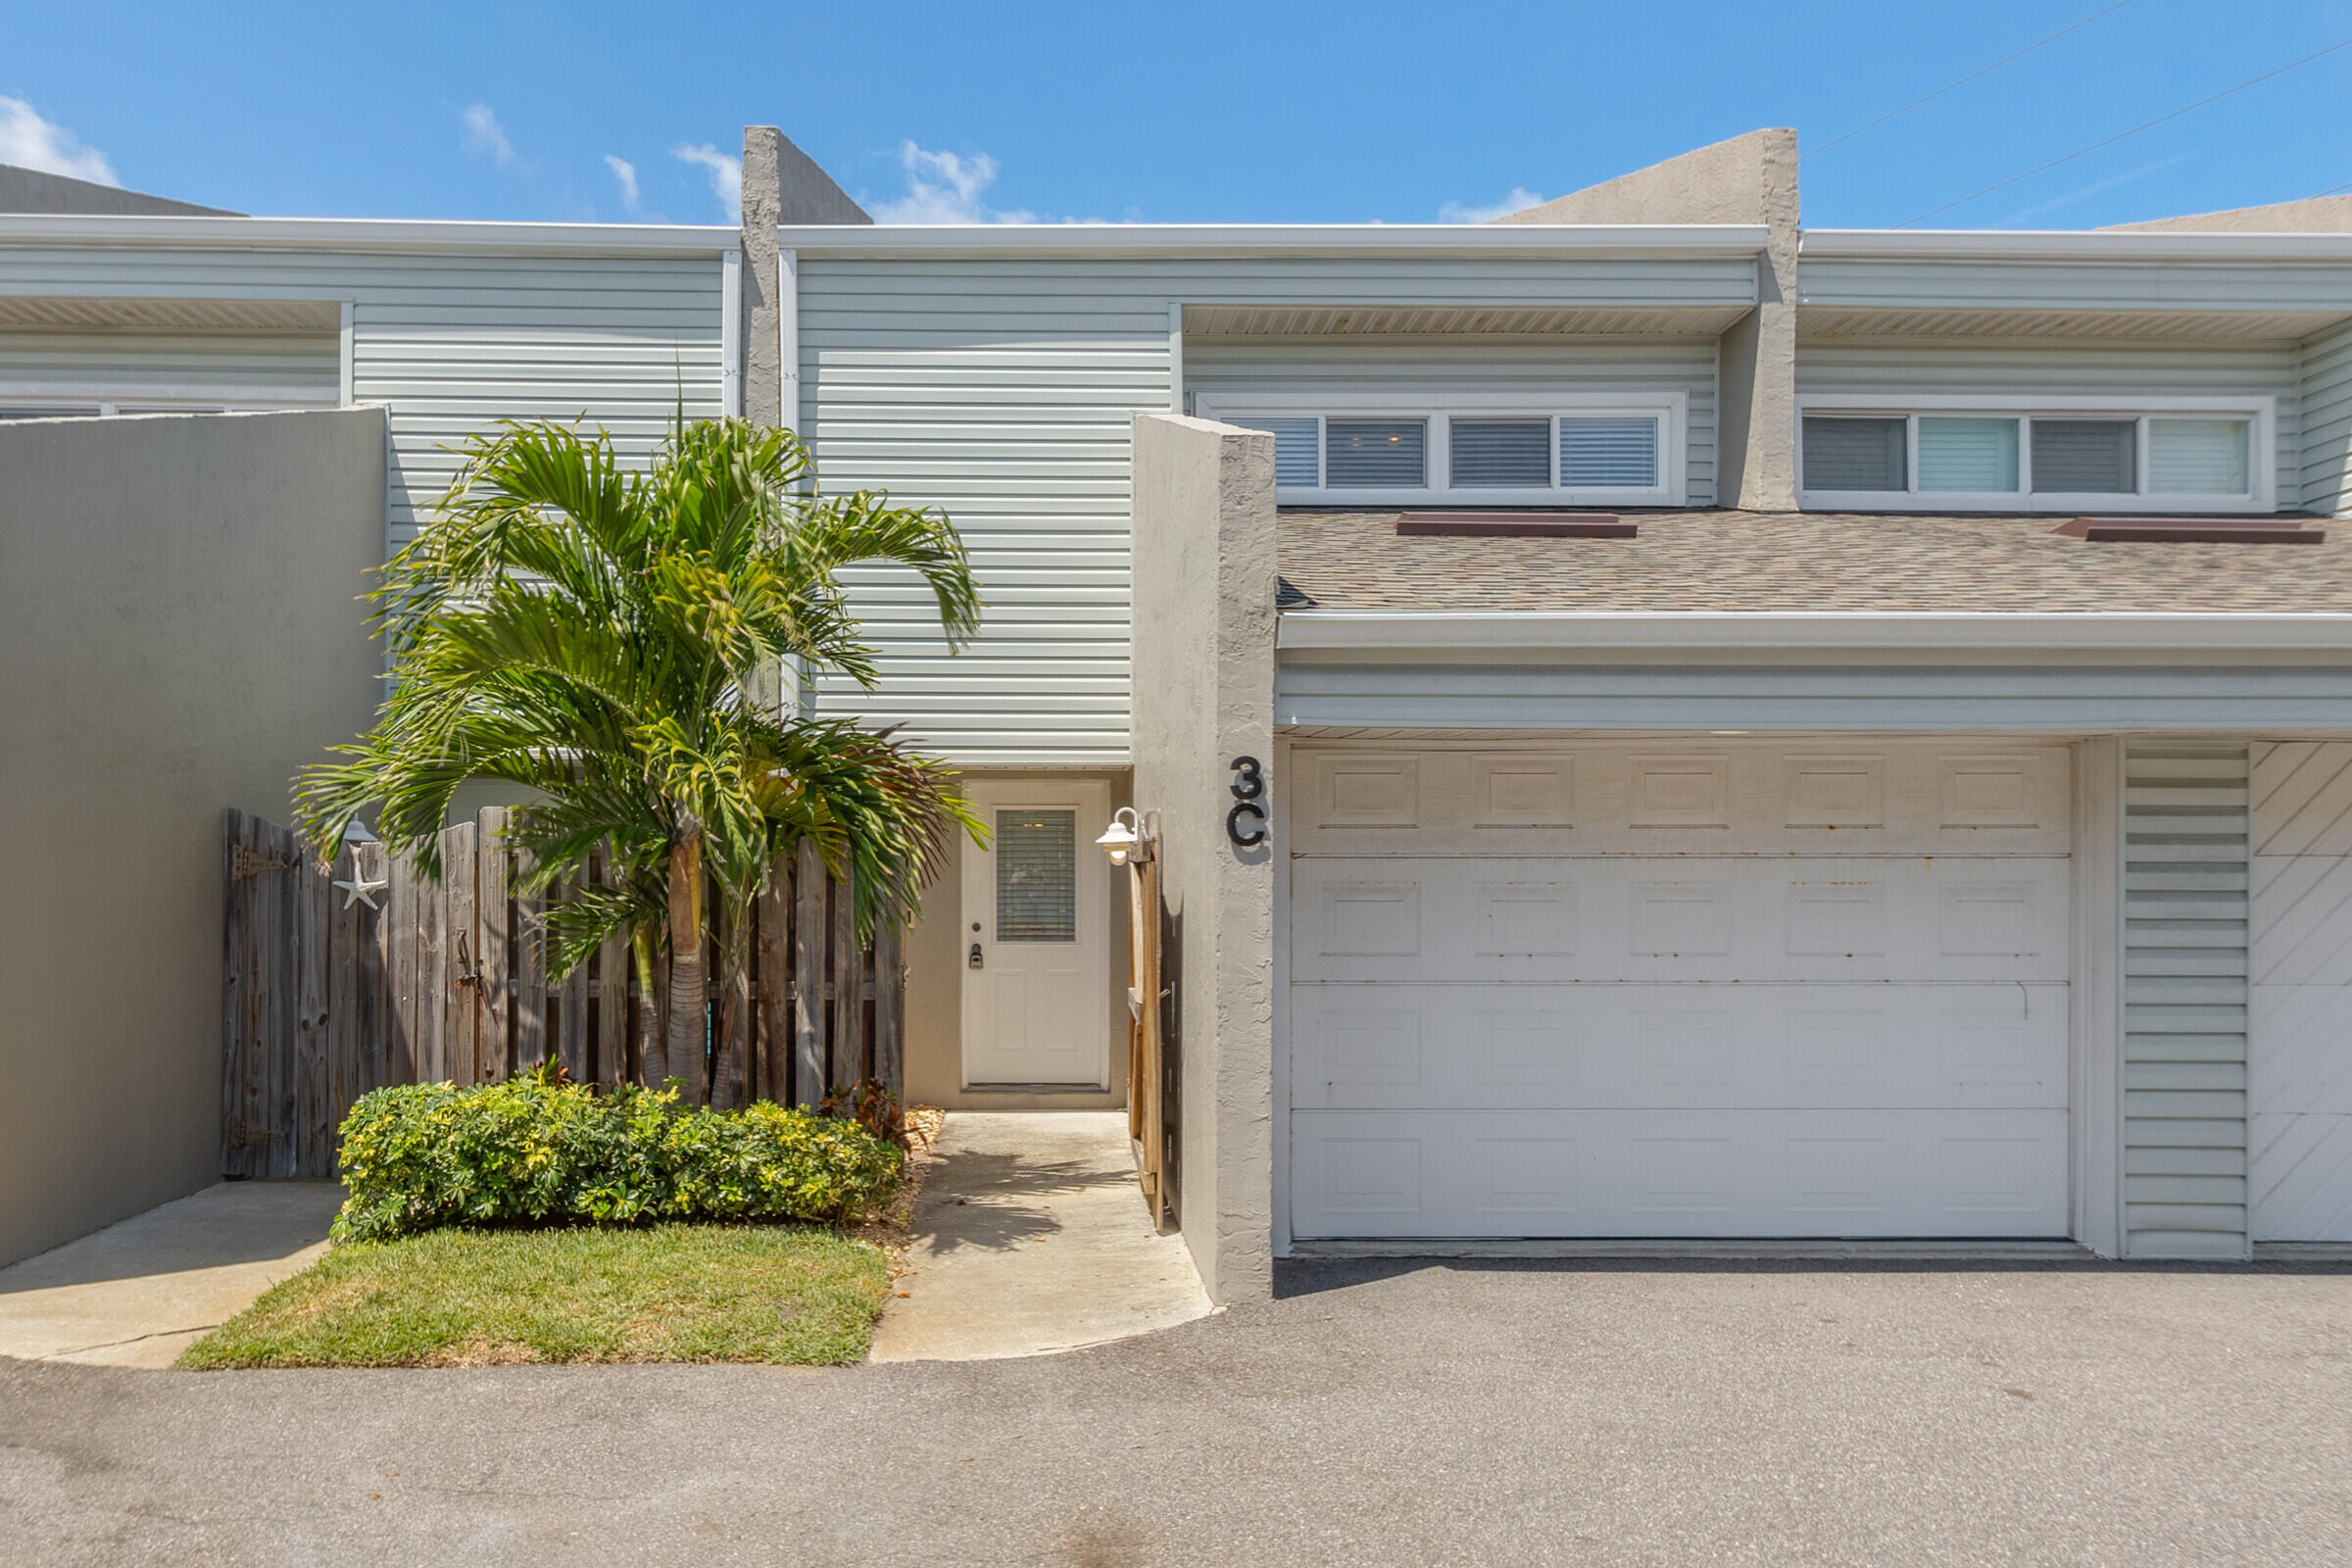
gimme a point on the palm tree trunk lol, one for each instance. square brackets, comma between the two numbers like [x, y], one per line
[652, 1057]
[727, 1090]
[689, 1003]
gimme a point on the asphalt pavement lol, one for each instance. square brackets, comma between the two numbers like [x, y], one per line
[1459, 1412]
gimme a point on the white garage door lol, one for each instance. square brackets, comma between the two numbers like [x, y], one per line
[1628, 989]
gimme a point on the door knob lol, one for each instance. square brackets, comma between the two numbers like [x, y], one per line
[975, 959]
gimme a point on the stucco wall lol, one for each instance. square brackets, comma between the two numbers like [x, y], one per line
[1748, 180]
[935, 959]
[1203, 560]
[178, 634]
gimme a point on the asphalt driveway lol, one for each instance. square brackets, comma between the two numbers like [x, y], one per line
[1426, 1413]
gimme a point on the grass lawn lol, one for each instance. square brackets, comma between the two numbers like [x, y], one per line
[665, 1293]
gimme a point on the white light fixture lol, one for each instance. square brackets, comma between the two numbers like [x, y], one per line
[1127, 839]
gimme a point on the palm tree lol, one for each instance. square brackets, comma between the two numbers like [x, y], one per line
[606, 639]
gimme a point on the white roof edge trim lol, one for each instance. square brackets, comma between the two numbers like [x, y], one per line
[1685, 239]
[1405, 629]
[362, 233]
[2073, 245]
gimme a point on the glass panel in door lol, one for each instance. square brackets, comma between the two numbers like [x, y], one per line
[1037, 876]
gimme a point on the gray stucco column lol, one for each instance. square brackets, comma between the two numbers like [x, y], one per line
[1748, 180]
[781, 185]
[762, 210]
[1203, 679]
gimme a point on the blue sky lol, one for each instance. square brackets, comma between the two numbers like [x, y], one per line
[1262, 112]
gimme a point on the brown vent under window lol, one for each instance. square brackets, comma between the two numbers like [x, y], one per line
[2193, 530]
[1518, 524]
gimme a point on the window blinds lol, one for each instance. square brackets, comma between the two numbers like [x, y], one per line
[1295, 454]
[1375, 454]
[2086, 456]
[1492, 454]
[1844, 454]
[1609, 453]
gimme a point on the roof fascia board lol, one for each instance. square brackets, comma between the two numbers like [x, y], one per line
[1277, 239]
[363, 234]
[2071, 245]
[1374, 630]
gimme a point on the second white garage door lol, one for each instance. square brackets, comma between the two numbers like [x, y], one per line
[1639, 989]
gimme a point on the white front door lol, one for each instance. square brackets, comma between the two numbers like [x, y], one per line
[1035, 938]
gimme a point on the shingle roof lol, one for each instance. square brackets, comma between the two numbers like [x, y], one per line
[1728, 560]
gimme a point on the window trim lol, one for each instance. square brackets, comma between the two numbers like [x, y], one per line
[2262, 453]
[1670, 409]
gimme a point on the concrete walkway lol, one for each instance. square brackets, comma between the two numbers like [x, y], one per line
[1031, 1236]
[140, 1292]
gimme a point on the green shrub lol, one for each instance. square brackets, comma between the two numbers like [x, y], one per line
[529, 1151]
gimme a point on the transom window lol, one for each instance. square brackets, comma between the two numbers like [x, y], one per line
[1350, 448]
[2156, 455]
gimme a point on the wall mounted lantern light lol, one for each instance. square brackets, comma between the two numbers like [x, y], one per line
[1129, 838]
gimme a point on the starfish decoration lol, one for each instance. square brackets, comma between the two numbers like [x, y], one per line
[360, 889]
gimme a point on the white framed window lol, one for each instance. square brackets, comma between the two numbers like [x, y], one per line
[1467, 448]
[1979, 454]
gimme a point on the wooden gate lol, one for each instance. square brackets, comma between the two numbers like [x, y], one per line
[341, 979]
[1154, 954]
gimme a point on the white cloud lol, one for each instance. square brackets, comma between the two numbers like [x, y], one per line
[944, 188]
[484, 134]
[2085, 192]
[29, 141]
[726, 174]
[1518, 200]
[627, 173]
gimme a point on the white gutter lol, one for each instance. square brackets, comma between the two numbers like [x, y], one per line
[1273, 240]
[2084, 245]
[1405, 631]
[362, 233]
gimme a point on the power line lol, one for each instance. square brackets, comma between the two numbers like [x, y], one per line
[2150, 125]
[1678, 90]
[1965, 81]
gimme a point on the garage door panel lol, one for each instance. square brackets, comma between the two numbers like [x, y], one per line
[1597, 1046]
[1654, 798]
[1592, 919]
[1712, 988]
[1820, 1174]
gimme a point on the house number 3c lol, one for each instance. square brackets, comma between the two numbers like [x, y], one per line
[1246, 823]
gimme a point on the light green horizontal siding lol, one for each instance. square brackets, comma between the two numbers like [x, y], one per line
[1833, 367]
[302, 368]
[2326, 457]
[1230, 366]
[2015, 286]
[1004, 392]
[2186, 848]
[452, 344]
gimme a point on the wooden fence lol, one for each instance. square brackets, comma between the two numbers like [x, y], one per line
[338, 980]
